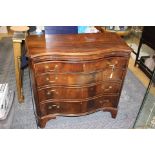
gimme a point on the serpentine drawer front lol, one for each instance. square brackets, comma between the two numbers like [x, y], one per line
[78, 107]
[79, 79]
[74, 75]
[62, 67]
[63, 92]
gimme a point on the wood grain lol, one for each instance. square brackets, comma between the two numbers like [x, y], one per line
[74, 75]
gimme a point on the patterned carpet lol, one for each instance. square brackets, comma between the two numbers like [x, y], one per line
[24, 118]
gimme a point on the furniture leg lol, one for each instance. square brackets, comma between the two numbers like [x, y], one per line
[17, 60]
[42, 121]
[113, 111]
[18, 37]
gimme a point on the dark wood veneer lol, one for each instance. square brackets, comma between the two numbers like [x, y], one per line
[78, 74]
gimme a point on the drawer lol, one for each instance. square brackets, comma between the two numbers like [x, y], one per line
[77, 92]
[79, 79]
[75, 108]
[53, 66]
[101, 88]
[59, 93]
[61, 108]
[100, 102]
[61, 67]
[105, 63]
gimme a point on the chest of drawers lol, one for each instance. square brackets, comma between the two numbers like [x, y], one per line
[78, 74]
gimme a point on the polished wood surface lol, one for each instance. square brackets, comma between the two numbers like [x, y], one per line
[75, 45]
[75, 75]
[18, 41]
[17, 49]
[19, 28]
[17, 60]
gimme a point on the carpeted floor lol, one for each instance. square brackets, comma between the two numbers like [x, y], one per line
[24, 118]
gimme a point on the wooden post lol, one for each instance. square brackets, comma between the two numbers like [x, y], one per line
[17, 60]
[18, 38]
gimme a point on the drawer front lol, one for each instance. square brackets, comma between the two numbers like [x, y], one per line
[103, 88]
[58, 67]
[61, 108]
[102, 64]
[75, 108]
[61, 67]
[79, 79]
[77, 92]
[100, 102]
[59, 93]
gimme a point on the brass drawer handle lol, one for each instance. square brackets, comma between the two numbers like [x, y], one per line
[106, 100]
[58, 106]
[53, 106]
[109, 63]
[113, 68]
[55, 67]
[49, 107]
[110, 87]
[51, 81]
[103, 101]
[107, 89]
[47, 79]
[47, 67]
[49, 92]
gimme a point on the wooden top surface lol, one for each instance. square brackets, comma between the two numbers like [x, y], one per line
[19, 28]
[75, 44]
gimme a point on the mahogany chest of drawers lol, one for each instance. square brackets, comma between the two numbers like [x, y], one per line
[76, 74]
